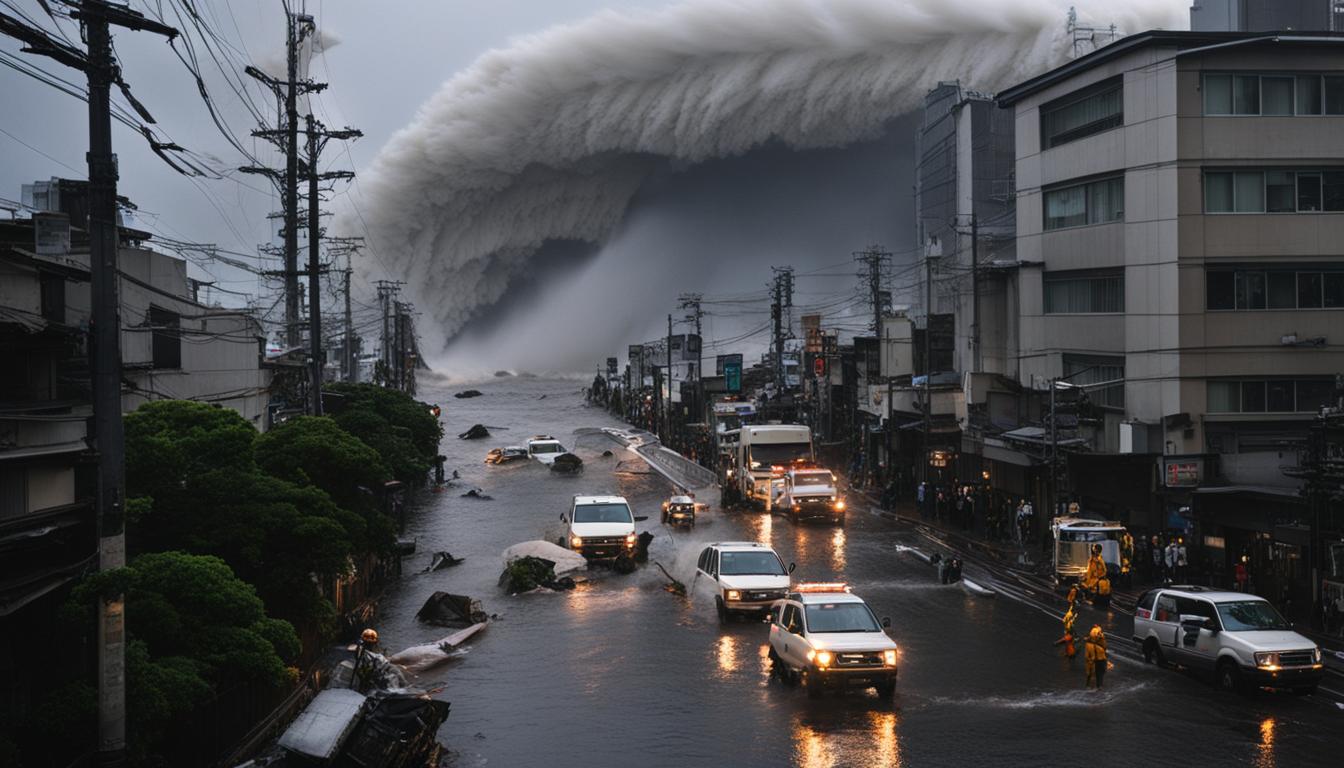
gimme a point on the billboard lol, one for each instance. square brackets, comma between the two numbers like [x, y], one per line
[722, 360]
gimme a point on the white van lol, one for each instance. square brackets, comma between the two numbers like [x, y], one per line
[600, 527]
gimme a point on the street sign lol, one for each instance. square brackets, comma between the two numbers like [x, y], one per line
[732, 376]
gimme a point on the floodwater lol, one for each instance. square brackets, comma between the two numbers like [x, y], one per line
[620, 672]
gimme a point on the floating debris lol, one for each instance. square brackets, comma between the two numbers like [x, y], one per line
[442, 560]
[567, 464]
[672, 585]
[448, 610]
[467, 393]
[476, 432]
[477, 493]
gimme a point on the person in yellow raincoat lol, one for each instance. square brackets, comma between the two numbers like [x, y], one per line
[1096, 570]
[1094, 653]
[1067, 640]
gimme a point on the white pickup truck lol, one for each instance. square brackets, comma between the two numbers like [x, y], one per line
[545, 448]
[811, 493]
[600, 527]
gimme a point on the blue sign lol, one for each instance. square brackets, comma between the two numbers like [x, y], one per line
[732, 377]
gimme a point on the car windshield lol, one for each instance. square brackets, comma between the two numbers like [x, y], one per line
[751, 564]
[812, 478]
[547, 448]
[602, 513]
[840, 617]
[1250, 615]
[770, 454]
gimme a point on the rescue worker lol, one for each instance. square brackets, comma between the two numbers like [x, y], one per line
[365, 664]
[1102, 599]
[1070, 616]
[1126, 556]
[1073, 596]
[1094, 653]
[1096, 570]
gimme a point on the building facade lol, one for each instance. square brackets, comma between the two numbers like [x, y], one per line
[1180, 204]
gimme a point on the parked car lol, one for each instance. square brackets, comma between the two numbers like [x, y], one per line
[1237, 639]
[824, 636]
[600, 527]
[745, 576]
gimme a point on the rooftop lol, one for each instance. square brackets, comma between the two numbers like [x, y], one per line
[1187, 42]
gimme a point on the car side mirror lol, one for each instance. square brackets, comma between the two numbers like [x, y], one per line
[1211, 625]
[792, 566]
[886, 622]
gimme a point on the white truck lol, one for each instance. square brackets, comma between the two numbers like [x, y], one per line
[600, 527]
[760, 456]
[1074, 539]
[545, 448]
[811, 493]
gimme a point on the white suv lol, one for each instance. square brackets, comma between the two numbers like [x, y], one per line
[1237, 639]
[824, 636]
[746, 576]
[600, 527]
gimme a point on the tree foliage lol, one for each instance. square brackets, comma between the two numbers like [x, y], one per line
[196, 628]
[400, 428]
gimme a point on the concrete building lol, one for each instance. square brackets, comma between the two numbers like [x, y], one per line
[172, 347]
[1180, 204]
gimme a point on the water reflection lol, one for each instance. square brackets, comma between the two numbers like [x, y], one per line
[1265, 758]
[838, 550]
[727, 655]
[872, 735]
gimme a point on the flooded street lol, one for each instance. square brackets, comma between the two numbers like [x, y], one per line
[619, 671]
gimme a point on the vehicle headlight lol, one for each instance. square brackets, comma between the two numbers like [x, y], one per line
[889, 657]
[1267, 659]
[629, 539]
[576, 541]
[824, 659]
[733, 594]
[840, 505]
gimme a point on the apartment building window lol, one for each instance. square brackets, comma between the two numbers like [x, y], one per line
[1095, 202]
[1269, 395]
[1096, 369]
[1274, 191]
[1092, 110]
[1251, 288]
[1278, 94]
[1084, 292]
[167, 341]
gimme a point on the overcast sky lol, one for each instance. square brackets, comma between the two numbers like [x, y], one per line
[391, 56]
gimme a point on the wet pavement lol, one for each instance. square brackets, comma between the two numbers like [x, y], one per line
[621, 672]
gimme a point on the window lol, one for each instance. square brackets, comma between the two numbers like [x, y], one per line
[1095, 202]
[703, 563]
[1074, 292]
[1272, 191]
[52, 287]
[1247, 289]
[1273, 94]
[13, 492]
[1095, 369]
[1269, 395]
[167, 342]
[1166, 609]
[1276, 95]
[1092, 110]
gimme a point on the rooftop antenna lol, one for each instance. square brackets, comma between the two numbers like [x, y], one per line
[1097, 36]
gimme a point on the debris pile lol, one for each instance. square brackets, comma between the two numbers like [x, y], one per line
[539, 564]
[476, 432]
[477, 493]
[448, 610]
[442, 560]
[567, 464]
[467, 393]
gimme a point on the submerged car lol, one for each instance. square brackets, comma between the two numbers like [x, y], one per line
[823, 636]
[545, 448]
[506, 454]
[679, 510]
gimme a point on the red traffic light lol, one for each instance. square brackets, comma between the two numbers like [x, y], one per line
[819, 366]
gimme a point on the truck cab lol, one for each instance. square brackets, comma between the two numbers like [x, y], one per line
[545, 448]
[600, 527]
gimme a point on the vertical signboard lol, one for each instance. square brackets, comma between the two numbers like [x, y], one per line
[732, 376]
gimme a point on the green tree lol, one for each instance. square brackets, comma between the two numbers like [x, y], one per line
[400, 428]
[197, 628]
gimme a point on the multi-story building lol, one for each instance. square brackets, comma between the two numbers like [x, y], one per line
[1180, 209]
[1263, 15]
[172, 347]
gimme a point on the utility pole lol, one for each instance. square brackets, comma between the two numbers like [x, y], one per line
[315, 352]
[874, 259]
[108, 436]
[668, 403]
[387, 289]
[1054, 453]
[928, 364]
[781, 314]
[350, 373]
[691, 301]
[975, 293]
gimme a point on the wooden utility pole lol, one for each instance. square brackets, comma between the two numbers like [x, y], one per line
[108, 436]
[874, 259]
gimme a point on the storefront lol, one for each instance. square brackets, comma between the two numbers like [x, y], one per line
[1262, 527]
